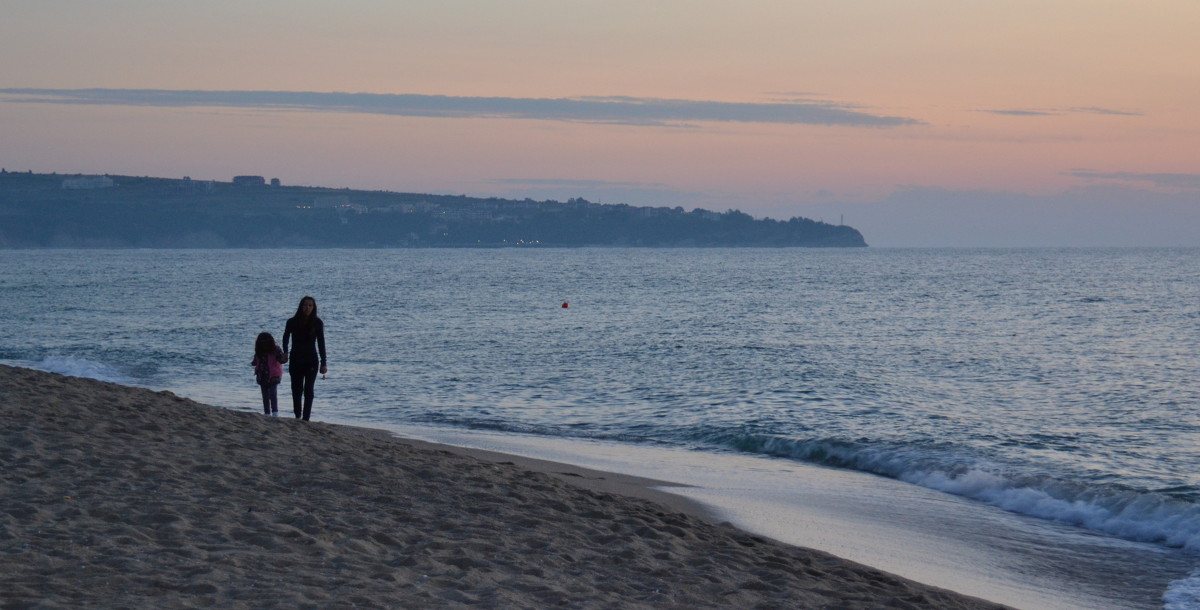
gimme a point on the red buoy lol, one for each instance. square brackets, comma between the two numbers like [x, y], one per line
[565, 305]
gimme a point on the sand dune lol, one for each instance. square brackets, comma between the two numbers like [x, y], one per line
[124, 497]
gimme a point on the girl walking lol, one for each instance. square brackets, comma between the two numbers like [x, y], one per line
[268, 371]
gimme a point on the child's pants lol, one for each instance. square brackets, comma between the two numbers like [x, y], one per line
[270, 394]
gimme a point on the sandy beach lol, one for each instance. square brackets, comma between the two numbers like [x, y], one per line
[125, 497]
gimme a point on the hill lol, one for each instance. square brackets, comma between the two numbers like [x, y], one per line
[74, 211]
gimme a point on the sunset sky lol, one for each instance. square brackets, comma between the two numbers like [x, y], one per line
[920, 122]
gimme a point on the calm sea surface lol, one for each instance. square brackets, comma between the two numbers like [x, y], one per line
[1059, 384]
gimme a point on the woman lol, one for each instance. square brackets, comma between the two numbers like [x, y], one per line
[309, 332]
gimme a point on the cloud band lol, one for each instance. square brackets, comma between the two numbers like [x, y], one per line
[617, 110]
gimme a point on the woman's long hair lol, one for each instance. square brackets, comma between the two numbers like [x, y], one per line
[300, 317]
[264, 345]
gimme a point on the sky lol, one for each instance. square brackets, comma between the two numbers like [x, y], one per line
[922, 123]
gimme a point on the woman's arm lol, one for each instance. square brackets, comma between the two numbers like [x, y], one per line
[321, 343]
[287, 334]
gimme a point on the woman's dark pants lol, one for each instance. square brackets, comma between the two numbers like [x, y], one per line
[303, 380]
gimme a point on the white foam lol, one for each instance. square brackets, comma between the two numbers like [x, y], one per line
[1136, 516]
[82, 367]
[1183, 594]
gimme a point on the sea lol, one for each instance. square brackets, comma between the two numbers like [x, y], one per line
[1018, 424]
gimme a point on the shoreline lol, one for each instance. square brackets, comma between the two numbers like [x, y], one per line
[920, 534]
[587, 478]
[119, 496]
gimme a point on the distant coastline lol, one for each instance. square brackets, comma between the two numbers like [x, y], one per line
[110, 211]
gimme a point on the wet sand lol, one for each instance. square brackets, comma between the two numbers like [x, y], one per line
[124, 497]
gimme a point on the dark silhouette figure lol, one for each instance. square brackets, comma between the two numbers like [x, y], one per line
[307, 355]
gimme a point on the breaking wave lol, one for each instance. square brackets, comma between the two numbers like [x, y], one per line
[1142, 516]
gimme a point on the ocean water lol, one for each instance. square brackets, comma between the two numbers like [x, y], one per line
[1061, 386]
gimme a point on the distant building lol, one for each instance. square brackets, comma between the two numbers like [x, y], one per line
[331, 201]
[274, 181]
[88, 182]
[187, 184]
[249, 181]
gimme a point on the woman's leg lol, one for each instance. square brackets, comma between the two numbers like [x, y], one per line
[310, 380]
[297, 390]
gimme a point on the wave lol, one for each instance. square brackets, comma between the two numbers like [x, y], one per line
[1127, 513]
[1183, 594]
[82, 367]
[1130, 514]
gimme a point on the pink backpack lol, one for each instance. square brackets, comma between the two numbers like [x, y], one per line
[270, 369]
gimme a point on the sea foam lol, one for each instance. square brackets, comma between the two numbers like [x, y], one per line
[1183, 594]
[1140, 516]
[81, 367]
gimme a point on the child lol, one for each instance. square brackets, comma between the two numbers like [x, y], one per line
[268, 370]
